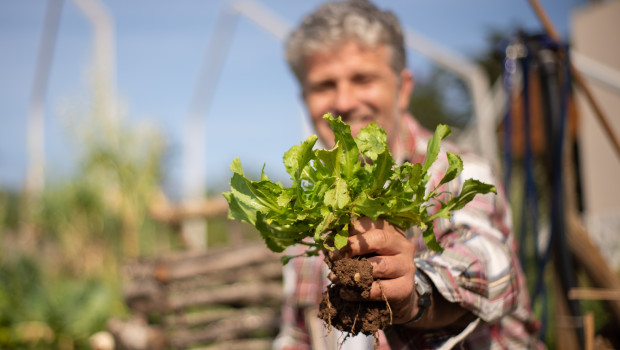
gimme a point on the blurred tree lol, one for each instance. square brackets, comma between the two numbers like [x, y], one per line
[441, 97]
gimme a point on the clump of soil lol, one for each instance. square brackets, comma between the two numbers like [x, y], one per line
[366, 317]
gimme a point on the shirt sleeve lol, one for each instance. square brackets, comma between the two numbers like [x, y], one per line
[478, 268]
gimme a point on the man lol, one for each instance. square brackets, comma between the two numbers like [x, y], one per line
[350, 60]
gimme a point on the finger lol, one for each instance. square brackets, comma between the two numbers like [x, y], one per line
[388, 267]
[382, 242]
[394, 290]
[362, 225]
[400, 299]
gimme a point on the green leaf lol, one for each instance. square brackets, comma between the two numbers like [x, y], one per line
[371, 141]
[342, 237]
[285, 197]
[240, 211]
[252, 196]
[416, 180]
[328, 219]
[469, 190]
[434, 145]
[338, 195]
[270, 239]
[455, 167]
[328, 161]
[382, 170]
[296, 158]
[371, 207]
[343, 139]
[405, 216]
[263, 176]
[236, 167]
[430, 239]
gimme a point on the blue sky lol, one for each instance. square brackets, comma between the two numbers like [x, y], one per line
[256, 112]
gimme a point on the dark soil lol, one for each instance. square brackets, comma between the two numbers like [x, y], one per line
[365, 317]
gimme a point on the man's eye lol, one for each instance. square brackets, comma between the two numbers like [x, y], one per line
[321, 87]
[363, 79]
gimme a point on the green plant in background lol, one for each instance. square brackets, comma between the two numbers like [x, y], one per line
[43, 310]
[121, 166]
[59, 264]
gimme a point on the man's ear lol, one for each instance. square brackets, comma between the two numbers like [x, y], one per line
[405, 89]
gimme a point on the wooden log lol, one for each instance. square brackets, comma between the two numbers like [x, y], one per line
[145, 266]
[254, 293]
[269, 271]
[227, 329]
[144, 296]
[189, 289]
[192, 319]
[148, 283]
[594, 294]
[204, 317]
[589, 256]
[243, 344]
[589, 330]
[213, 263]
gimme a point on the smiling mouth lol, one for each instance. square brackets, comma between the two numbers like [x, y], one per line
[358, 123]
[350, 118]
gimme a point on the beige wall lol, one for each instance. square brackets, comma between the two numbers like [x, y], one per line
[596, 35]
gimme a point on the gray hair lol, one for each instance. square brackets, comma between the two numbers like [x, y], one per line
[336, 22]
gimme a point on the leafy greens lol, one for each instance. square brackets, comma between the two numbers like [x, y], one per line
[330, 188]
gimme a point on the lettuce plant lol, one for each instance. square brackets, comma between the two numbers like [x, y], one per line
[330, 188]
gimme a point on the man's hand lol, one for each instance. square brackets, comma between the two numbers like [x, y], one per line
[391, 255]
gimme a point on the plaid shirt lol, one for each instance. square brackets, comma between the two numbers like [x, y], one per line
[478, 270]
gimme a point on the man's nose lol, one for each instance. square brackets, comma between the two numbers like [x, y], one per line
[345, 101]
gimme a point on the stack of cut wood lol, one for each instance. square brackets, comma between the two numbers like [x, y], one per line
[227, 298]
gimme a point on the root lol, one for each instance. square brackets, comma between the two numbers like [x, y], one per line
[352, 331]
[386, 301]
[377, 341]
[355, 319]
[346, 316]
[344, 338]
[329, 323]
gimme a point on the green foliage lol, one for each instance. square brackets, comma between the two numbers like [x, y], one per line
[331, 188]
[441, 98]
[39, 310]
[61, 250]
[9, 208]
[492, 58]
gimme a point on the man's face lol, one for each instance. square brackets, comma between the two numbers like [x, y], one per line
[358, 84]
